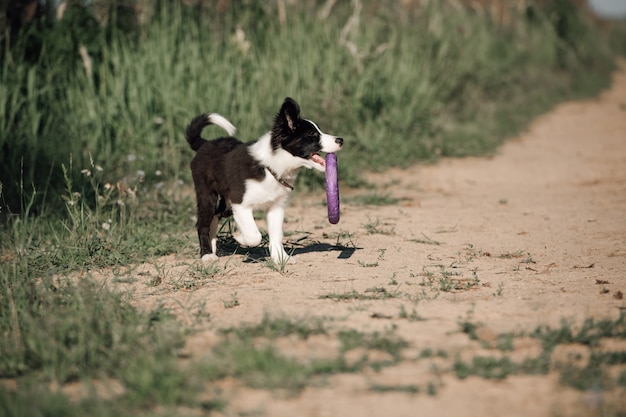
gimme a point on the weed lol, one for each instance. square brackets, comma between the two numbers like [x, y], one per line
[426, 241]
[467, 325]
[374, 293]
[202, 270]
[376, 227]
[511, 255]
[385, 342]
[155, 281]
[413, 316]
[426, 353]
[432, 389]
[65, 332]
[408, 389]
[258, 367]
[505, 342]
[344, 241]
[429, 353]
[274, 327]
[373, 199]
[499, 291]
[448, 280]
[249, 354]
[232, 302]
[592, 374]
[486, 367]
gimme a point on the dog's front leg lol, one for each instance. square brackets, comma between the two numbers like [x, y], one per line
[275, 218]
[248, 234]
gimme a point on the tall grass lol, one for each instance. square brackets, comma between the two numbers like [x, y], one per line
[400, 87]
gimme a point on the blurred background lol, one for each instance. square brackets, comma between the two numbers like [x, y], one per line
[98, 92]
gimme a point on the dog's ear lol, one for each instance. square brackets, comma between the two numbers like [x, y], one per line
[290, 113]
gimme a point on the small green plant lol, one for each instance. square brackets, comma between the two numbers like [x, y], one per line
[374, 293]
[505, 342]
[257, 367]
[511, 255]
[344, 241]
[429, 353]
[281, 266]
[499, 291]
[486, 367]
[274, 327]
[408, 389]
[376, 227]
[593, 373]
[467, 324]
[373, 199]
[381, 256]
[448, 280]
[426, 241]
[204, 270]
[385, 342]
[413, 316]
[249, 354]
[232, 302]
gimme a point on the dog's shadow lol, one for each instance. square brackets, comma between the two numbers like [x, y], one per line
[229, 246]
[345, 252]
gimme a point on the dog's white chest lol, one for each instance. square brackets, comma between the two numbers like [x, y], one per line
[260, 194]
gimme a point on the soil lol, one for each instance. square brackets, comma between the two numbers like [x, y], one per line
[528, 237]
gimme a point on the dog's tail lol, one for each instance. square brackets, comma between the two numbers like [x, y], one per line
[194, 129]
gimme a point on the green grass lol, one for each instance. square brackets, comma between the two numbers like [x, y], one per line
[445, 82]
[448, 280]
[249, 353]
[408, 389]
[595, 373]
[58, 331]
[375, 293]
[274, 327]
[372, 199]
[376, 227]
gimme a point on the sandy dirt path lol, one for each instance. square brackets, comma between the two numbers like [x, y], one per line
[531, 236]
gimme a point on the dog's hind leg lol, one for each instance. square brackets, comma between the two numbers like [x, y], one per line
[213, 235]
[207, 225]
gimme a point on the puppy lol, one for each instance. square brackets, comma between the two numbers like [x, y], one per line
[232, 177]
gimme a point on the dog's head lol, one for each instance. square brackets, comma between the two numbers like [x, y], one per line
[301, 137]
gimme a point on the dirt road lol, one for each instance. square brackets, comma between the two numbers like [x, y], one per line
[531, 236]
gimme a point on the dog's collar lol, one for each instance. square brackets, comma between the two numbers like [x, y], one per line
[280, 180]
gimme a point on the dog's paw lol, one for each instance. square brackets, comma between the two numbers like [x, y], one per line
[250, 241]
[209, 257]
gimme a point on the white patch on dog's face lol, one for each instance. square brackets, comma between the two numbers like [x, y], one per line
[328, 142]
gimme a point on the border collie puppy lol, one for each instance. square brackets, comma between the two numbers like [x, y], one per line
[232, 177]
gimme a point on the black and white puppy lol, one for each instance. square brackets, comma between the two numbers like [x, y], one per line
[232, 177]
